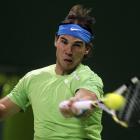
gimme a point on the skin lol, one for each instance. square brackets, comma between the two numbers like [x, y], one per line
[7, 108]
[70, 51]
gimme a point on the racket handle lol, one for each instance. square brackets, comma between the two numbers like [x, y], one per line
[80, 107]
[85, 105]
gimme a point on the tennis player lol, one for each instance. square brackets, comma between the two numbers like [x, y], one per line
[69, 79]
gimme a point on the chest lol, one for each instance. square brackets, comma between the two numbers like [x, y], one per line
[49, 91]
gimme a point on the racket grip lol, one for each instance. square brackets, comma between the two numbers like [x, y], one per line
[80, 107]
[84, 105]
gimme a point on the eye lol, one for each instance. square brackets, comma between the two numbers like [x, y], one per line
[77, 45]
[64, 41]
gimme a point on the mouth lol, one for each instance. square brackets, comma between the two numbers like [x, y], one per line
[68, 60]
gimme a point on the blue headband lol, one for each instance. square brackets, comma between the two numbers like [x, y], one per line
[76, 31]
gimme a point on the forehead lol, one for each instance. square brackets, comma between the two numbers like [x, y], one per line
[71, 38]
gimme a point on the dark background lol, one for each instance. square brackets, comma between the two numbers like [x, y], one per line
[27, 30]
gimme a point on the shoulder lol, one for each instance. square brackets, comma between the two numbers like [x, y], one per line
[84, 69]
[86, 78]
[86, 73]
[40, 71]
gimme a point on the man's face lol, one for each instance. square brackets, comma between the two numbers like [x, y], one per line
[70, 52]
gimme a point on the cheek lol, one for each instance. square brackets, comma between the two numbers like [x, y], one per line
[79, 56]
[80, 53]
[59, 52]
[60, 48]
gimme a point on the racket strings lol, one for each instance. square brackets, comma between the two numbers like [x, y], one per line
[121, 113]
[130, 113]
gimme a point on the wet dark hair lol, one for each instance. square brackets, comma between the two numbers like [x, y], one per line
[80, 15]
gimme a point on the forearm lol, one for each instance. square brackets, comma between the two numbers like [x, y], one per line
[7, 108]
[83, 94]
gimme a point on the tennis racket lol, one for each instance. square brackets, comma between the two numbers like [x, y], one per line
[127, 115]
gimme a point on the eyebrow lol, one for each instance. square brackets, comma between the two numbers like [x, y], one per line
[80, 42]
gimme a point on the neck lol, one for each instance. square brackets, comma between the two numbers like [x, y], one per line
[60, 71]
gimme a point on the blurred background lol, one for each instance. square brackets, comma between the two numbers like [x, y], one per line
[27, 30]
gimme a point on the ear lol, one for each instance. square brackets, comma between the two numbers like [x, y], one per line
[87, 50]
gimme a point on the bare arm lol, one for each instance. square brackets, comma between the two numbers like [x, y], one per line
[7, 108]
[81, 94]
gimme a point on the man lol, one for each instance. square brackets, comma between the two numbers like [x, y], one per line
[44, 89]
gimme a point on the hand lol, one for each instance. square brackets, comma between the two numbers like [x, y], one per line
[76, 108]
[65, 108]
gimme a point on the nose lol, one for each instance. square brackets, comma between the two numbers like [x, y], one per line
[69, 50]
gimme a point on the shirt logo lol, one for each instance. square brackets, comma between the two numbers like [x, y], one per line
[74, 29]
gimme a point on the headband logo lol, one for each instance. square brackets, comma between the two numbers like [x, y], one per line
[74, 29]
